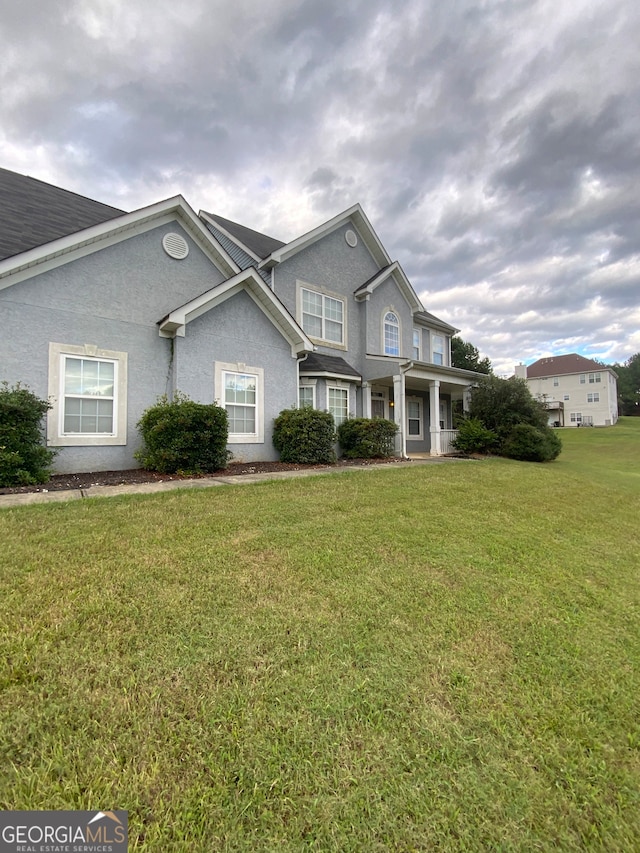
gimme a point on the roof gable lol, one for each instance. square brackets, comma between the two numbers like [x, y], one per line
[96, 237]
[33, 213]
[563, 365]
[355, 216]
[395, 272]
[176, 321]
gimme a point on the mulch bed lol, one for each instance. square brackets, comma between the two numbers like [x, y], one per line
[59, 482]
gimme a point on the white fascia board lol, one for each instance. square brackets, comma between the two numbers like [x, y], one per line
[347, 377]
[422, 370]
[248, 280]
[355, 215]
[204, 215]
[89, 240]
[399, 276]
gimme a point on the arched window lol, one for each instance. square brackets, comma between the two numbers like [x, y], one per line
[391, 334]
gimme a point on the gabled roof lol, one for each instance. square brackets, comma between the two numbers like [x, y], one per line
[248, 280]
[95, 237]
[33, 213]
[317, 363]
[396, 272]
[563, 365]
[354, 216]
[254, 243]
[432, 320]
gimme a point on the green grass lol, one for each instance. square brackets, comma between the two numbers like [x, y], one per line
[444, 657]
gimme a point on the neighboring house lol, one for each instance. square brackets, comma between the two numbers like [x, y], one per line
[103, 311]
[576, 390]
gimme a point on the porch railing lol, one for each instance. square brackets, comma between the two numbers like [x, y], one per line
[446, 439]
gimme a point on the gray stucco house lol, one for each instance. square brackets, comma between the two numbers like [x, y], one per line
[102, 311]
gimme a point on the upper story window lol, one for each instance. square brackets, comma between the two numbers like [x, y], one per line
[583, 378]
[594, 377]
[417, 345]
[322, 316]
[391, 334]
[437, 349]
[556, 381]
[593, 397]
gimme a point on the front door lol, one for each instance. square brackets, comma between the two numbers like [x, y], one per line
[379, 403]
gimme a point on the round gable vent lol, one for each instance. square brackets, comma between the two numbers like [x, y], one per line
[351, 237]
[175, 246]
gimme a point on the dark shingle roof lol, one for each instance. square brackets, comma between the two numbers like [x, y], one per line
[260, 244]
[426, 317]
[562, 365]
[316, 362]
[33, 213]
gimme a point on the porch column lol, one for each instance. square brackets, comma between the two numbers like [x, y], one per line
[398, 414]
[366, 400]
[466, 399]
[434, 417]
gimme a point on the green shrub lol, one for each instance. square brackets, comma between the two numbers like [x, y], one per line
[530, 444]
[501, 403]
[305, 436]
[182, 435]
[367, 438]
[24, 459]
[474, 437]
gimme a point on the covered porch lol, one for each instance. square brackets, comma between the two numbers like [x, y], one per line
[421, 400]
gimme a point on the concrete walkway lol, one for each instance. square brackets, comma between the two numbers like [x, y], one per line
[24, 498]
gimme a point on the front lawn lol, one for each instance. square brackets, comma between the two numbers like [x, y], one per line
[444, 657]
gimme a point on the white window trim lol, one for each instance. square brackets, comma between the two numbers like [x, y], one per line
[433, 350]
[339, 386]
[222, 367]
[55, 423]
[575, 417]
[321, 291]
[308, 383]
[593, 395]
[420, 402]
[417, 332]
[391, 310]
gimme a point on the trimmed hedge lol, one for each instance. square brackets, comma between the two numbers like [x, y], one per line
[529, 444]
[474, 437]
[183, 436]
[24, 460]
[305, 436]
[367, 438]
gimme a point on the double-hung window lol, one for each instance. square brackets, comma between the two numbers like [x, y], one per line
[576, 417]
[239, 389]
[307, 396]
[437, 348]
[414, 419]
[593, 397]
[338, 403]
[391, 334]
[88, 391]
[241, 402]
[322, 316]
[417, 345]
[89, 394]
[594, 377]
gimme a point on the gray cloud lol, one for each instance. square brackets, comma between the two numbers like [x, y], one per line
[494, 146]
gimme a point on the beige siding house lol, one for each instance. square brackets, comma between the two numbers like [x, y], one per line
[576, 390]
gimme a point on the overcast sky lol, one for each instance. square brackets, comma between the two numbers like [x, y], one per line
[494, 145]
